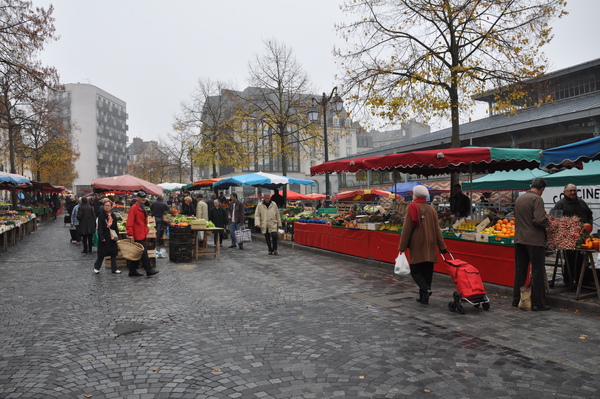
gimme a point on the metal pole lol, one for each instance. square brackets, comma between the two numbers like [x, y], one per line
[327, 186]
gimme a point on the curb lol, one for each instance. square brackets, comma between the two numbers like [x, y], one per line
[554, 300]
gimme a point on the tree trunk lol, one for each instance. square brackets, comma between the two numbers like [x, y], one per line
[454, 112]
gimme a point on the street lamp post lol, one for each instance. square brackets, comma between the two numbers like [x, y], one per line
[313, 114]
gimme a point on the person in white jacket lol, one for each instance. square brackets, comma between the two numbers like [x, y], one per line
[268, 219]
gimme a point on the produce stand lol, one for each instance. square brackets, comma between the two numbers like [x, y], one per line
[15, 226]
[383, 246]
[203, 250]
[588, 259]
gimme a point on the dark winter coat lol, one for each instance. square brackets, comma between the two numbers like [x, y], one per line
[575, 207]
[106, 246]
[87, 219]
[218, 216]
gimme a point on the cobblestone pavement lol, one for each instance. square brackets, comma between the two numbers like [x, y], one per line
[297, 325]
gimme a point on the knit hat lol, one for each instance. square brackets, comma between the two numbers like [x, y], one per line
[420, 191]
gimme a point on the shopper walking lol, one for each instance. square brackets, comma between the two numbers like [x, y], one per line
[421, 234]
[201, 208]
[530, 244]
[106, 245]
[158, 210]
[218, 215]
[267, 218]
[75, 221]
[87, 224]
[137, 230]
[236, 216]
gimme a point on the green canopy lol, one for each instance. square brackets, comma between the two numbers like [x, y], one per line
[521, 179]
[505, 180]
[588, 176]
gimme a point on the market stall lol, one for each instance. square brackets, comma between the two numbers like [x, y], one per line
[470, 240]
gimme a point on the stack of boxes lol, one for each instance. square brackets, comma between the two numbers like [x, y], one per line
[180, 244]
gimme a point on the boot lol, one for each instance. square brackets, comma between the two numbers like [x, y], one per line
[421, 295]
[134, 273]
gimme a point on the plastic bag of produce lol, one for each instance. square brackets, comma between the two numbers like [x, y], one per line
[402, 267]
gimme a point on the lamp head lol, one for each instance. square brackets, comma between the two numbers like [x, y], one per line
[313, 114]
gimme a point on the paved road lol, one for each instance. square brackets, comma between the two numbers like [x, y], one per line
[296, 325]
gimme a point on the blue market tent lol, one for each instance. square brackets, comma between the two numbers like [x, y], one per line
[260, 179]
[405, 189]
[13, 179]
[566, 155]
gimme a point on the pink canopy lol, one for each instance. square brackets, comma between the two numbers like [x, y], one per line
[126, 183]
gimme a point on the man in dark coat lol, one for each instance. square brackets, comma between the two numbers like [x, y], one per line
[278, 199]
[572, 205]
[87, 224]
[460, 204]
[530, 244]
[158, 210]
[218, 215]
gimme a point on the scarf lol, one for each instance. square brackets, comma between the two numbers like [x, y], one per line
[143, 208]
[413, 211]
[109, 220]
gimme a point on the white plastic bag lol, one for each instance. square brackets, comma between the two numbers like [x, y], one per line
[402, 267]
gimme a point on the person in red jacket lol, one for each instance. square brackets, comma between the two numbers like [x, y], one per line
[137, 230]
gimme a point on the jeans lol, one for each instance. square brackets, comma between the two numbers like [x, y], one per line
[113, 263]
[133, 265]
[159, 230]
[233, 227]
[271, 241]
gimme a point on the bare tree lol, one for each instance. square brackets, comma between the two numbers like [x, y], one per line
[274, 109]
[430, 57]
[47, 140]
[209, 116]
[24, 31]
[177, 149]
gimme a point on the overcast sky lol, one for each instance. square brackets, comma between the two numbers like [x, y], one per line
[152, 53]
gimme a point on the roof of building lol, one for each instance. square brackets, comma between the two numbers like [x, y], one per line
[566, 110]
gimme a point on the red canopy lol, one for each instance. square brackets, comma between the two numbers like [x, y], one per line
[315, 196]
[126, 183]
[341, 166]
[291, 196]
[201, 183]
[362, 195]
[294, 196]
[450, 160]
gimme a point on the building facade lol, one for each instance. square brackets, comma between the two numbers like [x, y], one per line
[100, 133]
[571, 115]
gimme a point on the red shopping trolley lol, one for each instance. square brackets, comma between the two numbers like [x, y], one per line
[469, 287]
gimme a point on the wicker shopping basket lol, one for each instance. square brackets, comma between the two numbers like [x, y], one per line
[130, 249]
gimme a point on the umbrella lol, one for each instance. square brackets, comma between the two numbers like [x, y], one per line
[126, 183]
[13, 179]
[315, 196]
[260, 179]
[294, 196]
[341, 166]
[170, 186]
[567, 155]
[364, 195]
[461, 160]
[201, 183]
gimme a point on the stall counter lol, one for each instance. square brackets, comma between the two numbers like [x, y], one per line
[495, 262]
